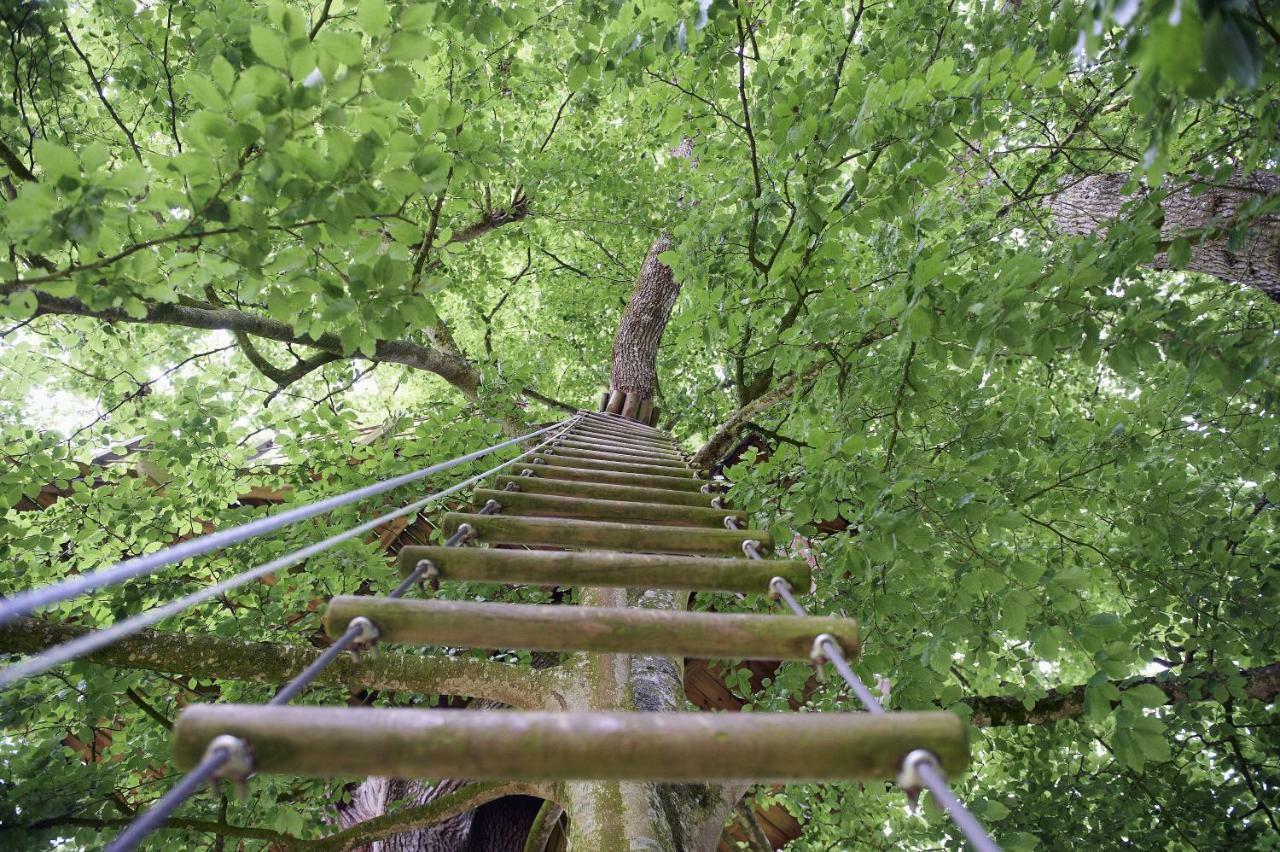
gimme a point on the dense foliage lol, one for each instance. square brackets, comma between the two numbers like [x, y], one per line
[1028, 462]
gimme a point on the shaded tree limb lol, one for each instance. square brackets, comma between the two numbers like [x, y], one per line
[1204, 217]
[435, 811]
[719, 443]
[282, 377]
[209, 656]
[1261, 683]
[454, 369]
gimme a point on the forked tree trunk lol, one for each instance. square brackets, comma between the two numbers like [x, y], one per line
[1204, 219]
[633, 378]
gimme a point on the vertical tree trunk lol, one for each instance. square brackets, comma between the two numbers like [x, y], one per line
[633, 377]
[629, 816]
[1204, 219]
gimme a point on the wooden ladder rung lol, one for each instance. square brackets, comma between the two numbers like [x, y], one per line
[596, 535]
[603, 491]
[681, 471]
[573, 443]
[643, 480]
[629, 440]
[512, 745]
[548, 505]
[604, 630]
[605, 568]
[614, 456]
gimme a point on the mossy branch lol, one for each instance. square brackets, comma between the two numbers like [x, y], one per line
[208, 656]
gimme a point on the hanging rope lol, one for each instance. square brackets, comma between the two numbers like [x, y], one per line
[24, 603]
[920, 768]
[228, 756]
[102, 638]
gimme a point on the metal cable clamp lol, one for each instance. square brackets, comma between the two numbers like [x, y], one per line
[430, 575]
[909, 778]
[236, 766]
[776, 585]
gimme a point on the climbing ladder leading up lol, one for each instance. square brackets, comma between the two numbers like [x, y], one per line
[610, 503]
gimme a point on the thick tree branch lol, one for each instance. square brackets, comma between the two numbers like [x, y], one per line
[1261, 683]
[282, 378]
[719, 443]
[453, 369]
[209, 656]
[435, 811]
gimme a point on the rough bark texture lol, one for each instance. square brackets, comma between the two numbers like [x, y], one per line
[1204, 219]
[635, 348]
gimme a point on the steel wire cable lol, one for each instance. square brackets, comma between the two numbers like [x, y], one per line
[24, 603]
[919, 765]
[227, 749]
[89, 642]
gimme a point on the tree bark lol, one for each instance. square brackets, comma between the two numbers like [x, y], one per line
[633, 377]
[1205, 220]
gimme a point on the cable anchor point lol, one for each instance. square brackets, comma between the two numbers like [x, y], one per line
[236, 766]
[909, 778]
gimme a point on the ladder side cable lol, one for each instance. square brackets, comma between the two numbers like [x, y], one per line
[229, 756]
[920, 768]
[24, 603]
[89, 642]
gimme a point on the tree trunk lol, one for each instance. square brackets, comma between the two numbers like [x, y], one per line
[1204, 220]
[634, 375]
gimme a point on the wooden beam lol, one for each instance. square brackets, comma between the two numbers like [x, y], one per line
[605, 630]
[676, 483]
[625, 467]
[587, 446]
[612, 436]
[602, 490]
[595, 535]
[523, 503]
[511, 745]
[605, 568]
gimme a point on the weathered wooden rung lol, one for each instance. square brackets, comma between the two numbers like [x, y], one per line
[572, 443]
[623, 467]
[513, 745]
[615, 456]
[603, 630]
[619, 444]
[595, 535]
[624, 425]
[603, 491]
[617, 437]
[523, 503]
[643, 480]
[605, 568]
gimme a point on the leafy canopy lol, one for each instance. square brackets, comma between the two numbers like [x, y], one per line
[1028, 462]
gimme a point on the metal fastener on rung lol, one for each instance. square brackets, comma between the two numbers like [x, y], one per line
[776, 585]
[717, 502]
[428, 574]
[818, 654]
[751, 547]
[526, 472]
[237, 765]
[909, 778]
[367, 632]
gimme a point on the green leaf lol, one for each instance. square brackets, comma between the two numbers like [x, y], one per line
[57, 160]
[268, 46]
[373, 17]
[395, 83]
[1147, 695]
